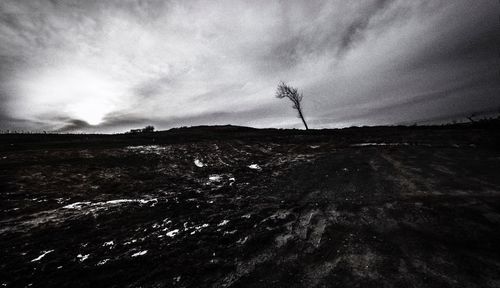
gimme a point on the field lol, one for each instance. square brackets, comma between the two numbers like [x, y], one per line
[238, 207]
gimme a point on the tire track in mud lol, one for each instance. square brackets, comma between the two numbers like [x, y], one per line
[369, 253]
[304, 231]
[408, 181]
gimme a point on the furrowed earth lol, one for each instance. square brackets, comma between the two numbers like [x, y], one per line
[239, 207]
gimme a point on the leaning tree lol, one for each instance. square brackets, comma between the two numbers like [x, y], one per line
[285, 91]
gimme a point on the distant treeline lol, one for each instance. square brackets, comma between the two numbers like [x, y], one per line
[147, 129]
[473, 120]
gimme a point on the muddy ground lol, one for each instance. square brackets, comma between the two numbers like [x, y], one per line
[308, 211]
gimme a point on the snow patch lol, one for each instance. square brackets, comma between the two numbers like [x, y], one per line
[42, 255]
[198, 163]
[378, 144]
[214, 178]
[224, 222]
[140, 253]
[120, 201]
[109, 243]
[197, 228]
[82, 257]
[130, 242]
[172, 233]
[102, 262]
[77, 205]
[117, 201]
[100, 205]
[254, 166]
[242, 240]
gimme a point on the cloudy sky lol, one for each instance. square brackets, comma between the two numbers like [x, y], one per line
[109, 66]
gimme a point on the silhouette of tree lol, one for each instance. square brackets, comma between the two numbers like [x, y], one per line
[285, 91]
[471, 117]
[148, 128]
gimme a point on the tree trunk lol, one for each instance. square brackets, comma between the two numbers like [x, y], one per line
[302, 117]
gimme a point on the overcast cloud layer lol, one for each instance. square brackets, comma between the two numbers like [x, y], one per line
[109, 66]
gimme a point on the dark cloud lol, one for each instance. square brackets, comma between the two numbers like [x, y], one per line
[428, 106]
[473, 39]
[151, 87]
[355, 30]
[72, 125]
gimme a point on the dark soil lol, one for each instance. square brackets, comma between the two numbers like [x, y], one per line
[363, 207]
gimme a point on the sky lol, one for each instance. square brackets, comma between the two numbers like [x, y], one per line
[110, 66]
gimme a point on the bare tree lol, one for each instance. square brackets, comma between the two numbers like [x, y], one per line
[285, 91]
[471, 117]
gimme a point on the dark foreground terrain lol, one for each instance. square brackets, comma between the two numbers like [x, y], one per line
[237, 207]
